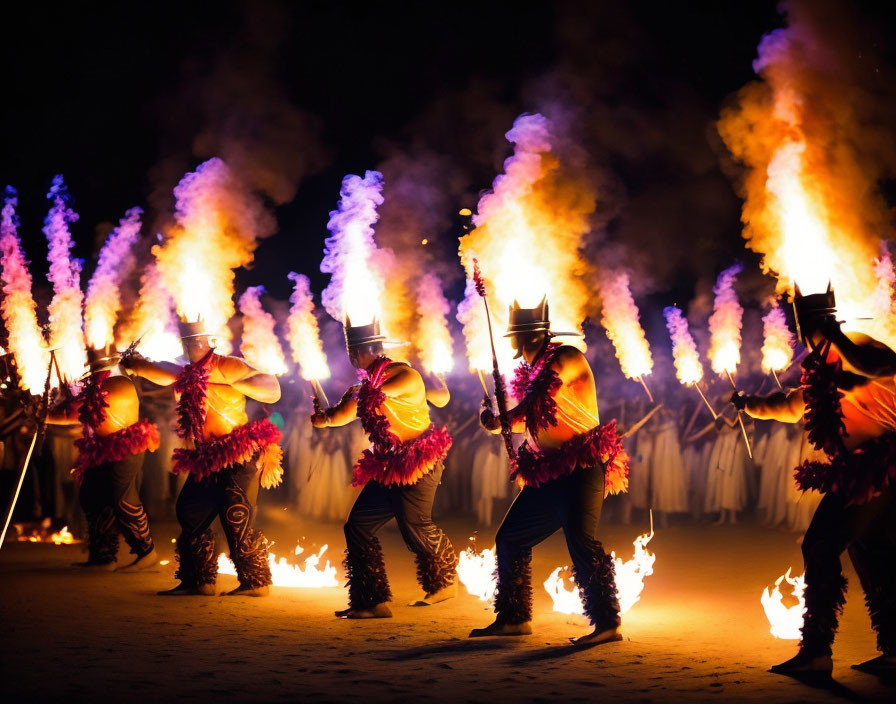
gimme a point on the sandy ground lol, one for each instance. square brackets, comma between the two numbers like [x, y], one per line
[698, 633]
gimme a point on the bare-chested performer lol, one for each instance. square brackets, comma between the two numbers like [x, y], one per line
[230, 458]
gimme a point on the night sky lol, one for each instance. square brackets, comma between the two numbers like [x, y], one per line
[123, 98]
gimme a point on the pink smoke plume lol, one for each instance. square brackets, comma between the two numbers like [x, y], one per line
[66, 330]
[433, 339]
[259, 345]
[725, 323]
[26, 339]
[621, 321]
[777, 345]
[688, 368]
[355, 287]
[103, 301]
[304, 332]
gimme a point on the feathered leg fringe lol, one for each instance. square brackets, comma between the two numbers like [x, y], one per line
[598, 589]
[134, 524]
[102, 537]
[825, 598]
[196, 559]
[251, 560]
[437, 566]
[513, 596]
[365, 571]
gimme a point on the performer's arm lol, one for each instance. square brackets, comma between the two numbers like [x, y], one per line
[786, 407]
[261, 387]
[342, 413]
[160, 373]
[864, 354]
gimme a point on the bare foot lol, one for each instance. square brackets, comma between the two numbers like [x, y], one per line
[189, 590]
[803, 664]
[98, 566]
[378, 611]
[503, 629]
[248, 591]
[448, 592]
[881, 665]
[141, 563]
[596, 637]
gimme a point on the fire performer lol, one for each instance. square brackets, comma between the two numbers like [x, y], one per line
[400, 474]
[111, 448]
[231, 456]
[566, 466]
[848, 398]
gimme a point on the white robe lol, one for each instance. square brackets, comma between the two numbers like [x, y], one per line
[775, 459]
[727, 480]
[639, 469]
[490, 477]
[667, 471]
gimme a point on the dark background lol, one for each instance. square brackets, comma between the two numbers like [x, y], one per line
[123, 98]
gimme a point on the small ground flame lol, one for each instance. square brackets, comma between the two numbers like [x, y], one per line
[785, 621]
[476, 571]
[286, 574]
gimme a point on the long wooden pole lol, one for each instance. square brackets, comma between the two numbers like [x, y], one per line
[740, 419]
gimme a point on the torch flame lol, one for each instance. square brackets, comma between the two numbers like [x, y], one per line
[725, 323]
[476, 571]
[620, 320]
[66, 332]
[433, 337]
[259, 345]
[26, 340]
[529, 231]
[218, 224]
[777, 346]
[63, 537]
[304, 333]
[630, 576]
[356, 287]
[286, 574]
[785, 621]
[688, 368]
[103, 296]
[152, 320]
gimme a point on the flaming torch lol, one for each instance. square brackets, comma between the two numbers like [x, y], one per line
[620, 320]
[724, 327]
[304, 337]
[103, 301]
[259, 344]
[26, 340]
[777, 345]
[688, 368]
[151, 326]
[433, 338]
[218, 224]
[66, 331]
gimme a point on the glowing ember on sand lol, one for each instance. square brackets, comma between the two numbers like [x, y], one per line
[433, 337]
[813, 207]
[26, 340]
[688, 368]
[259, 344]
[218, 224]
[63, 537]
[785, 621]
[152, 320]
[286, 574]
[777, 345]
[476, 571]
[620, 320]
[356, 286]
[529, 231]
[630, 576]
[725, 323]
[103, 300]
[66, 331]
[304, 332]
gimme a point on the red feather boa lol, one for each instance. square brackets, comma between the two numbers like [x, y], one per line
[93, 449]
[238, 446]
[857, 474]
[389, 460]
[599, 445]
[191, 386]
[534, 387]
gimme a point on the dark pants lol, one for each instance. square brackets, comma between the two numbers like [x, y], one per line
[868, 532]
[230, 495]
[112, 506]
[572, 503]
[411, 507]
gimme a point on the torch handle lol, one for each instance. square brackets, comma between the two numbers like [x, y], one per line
[777, 380]
[711, 409]
[319, 393]
[500, 392]
[743, 430]
[15, 496]
[646, 390]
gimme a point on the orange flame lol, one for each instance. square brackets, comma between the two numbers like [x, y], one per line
[152, 320]
[725, 324]
[620, 320]
[785, 621]
[287, 574]
[476, 571]
[304, 333]
[777, 346]
[529, 230]
[688, 368]
[259, 344]
[433, 339]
